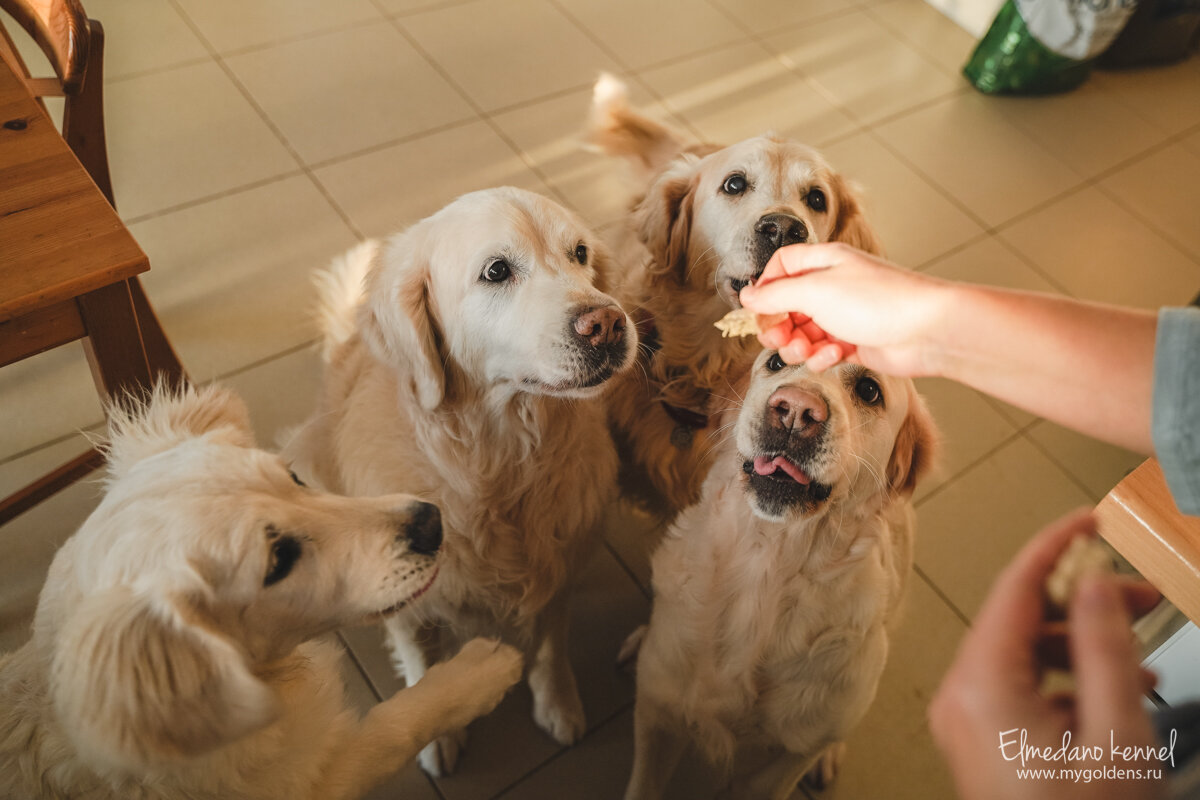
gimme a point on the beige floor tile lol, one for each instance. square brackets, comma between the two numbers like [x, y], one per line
[1097, 465]
[913, 219]
[280, 393]
[340, 92]
[506, 745]
[384, 191]
[1160, 95]
[1192, 141]
[933, 33]
[1164, 189]
[29, 542]
[143, 35]
[1099, 251]
[633, 534]
[965, 144]
[863, 66]
[181, 135]
[413, 6]
[1067, 126]
[550, 135]
[976, 524]
[45, 397]
[232, 24]
[736, 92]
[989, 262]
[229, 295]
[970, 428]
[634, 30]
[768, 16]
[891, 753]
[503, 52]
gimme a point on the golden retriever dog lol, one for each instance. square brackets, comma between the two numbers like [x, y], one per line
[707, 222]
[176, 649]
[772, 593]
[466, 359]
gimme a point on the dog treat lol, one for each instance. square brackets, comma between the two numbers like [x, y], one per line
[1084, 555]
[744, 322]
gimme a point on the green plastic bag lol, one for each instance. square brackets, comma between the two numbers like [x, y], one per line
[1044, 46]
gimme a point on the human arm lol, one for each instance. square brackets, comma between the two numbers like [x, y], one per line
[991, 691]
[1083, 365]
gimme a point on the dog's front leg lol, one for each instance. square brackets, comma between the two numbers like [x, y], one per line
[414, 647]
[445, 700]
[657, 748]
[557, 708]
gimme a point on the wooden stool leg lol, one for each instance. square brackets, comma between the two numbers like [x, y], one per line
[114, 342]
[83, 116]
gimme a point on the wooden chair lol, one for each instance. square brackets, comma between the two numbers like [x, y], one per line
[106, 307]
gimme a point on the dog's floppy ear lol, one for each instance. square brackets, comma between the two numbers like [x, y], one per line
[851, 224]
[664, 216]
[135, 685]
[397, 320]
[139, 427]
[915, 451]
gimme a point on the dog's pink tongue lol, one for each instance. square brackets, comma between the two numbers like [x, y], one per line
[767, 466]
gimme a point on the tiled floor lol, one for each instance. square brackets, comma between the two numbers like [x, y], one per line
[251, 140]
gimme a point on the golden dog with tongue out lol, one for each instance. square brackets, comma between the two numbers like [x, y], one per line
[773, 593]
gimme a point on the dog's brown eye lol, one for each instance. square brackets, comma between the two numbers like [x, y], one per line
[285, 552]
[816, 200]
[868, 391]
[734, 184]
[776, 362]
[497, 271]
[581, 254]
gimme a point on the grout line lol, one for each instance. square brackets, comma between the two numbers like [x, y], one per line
[935, 491]
[612, 551]
[412, 12]
[249, 98]
[941, 595]
[483, 115]
[622, 709]
[199, 201]
[146, 73]
[1053, 459]
[301, 37]
[362, 671]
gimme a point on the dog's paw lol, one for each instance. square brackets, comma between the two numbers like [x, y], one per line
[560, 716]
[627, 655]
[827, 766]
[478, 677]
[440, 757]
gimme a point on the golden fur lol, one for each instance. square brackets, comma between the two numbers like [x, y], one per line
[171, 658]
[462, 392]
[683, 245]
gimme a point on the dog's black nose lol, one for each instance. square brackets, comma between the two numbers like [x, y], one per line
[778, 230]
[424, 529]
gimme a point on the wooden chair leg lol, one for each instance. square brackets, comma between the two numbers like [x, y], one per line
[49, 485]
[83, 116]
[114, 341]
[159, 353]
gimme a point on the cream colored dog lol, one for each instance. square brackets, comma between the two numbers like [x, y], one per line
[708, 220]
[772, 594]
[174, 651]
[465, 360]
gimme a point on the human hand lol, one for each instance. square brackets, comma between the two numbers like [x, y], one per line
[847, 305]
[991, 693]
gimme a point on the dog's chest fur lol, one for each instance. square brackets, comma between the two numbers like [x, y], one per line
[769, 633]
[522, 484]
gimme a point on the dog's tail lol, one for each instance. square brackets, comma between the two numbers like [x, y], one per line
[339, 294]
[615, 129]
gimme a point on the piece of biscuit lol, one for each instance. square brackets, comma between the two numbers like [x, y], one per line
[1084, 555]
[744, 322]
